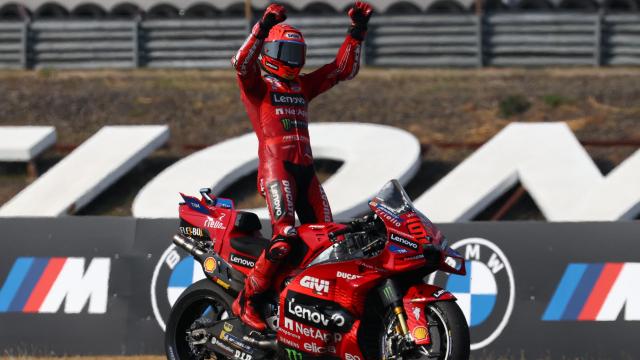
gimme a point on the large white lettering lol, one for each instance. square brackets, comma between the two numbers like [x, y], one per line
[554, 168]
[91, 168]
[380, 152]
[23, 143]
[545, 157]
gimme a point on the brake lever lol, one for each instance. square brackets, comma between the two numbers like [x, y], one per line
[334, 234]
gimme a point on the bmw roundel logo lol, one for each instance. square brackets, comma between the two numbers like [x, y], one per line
[486, 294]
[175, 271]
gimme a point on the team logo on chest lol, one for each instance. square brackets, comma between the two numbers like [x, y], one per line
[284, 99]
[289, 124]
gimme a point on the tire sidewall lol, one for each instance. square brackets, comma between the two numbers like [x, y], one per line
[202, 289]
[457, 325]
[455, 322]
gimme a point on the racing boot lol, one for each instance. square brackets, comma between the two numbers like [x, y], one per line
[257, 282]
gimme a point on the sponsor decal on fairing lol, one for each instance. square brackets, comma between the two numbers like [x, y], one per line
[212, 223]
[319, 313]
[397, 249]
[311, 332]
[317, 285]
[293, 354]
[347, 276]
[386, 214]
[242, 261]
[403, 241]
[191, 231]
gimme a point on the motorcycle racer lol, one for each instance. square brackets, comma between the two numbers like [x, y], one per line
[277, 105]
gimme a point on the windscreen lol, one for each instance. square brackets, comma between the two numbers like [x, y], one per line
[394, 199]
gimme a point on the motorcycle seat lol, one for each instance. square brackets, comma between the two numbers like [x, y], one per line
[247, 222]
[249, 245]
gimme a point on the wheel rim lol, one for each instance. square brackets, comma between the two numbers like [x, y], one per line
[208, 307]
[438, 332]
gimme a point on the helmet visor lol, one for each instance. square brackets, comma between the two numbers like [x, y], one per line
[291, 53]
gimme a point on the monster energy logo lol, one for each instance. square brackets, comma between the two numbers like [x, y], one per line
[388, 293]
[294, 354]
[289, 124]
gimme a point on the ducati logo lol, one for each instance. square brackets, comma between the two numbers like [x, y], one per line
[174, 272]
[486, 294]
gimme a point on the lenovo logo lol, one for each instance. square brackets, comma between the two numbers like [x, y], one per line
[280, 99]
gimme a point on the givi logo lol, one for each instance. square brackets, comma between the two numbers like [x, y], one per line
[41, 285]
[315, 284]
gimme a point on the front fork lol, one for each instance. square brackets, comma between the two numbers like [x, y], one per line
[409, 308]
[392, 298]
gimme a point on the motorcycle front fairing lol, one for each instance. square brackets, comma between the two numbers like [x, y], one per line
[413, 240]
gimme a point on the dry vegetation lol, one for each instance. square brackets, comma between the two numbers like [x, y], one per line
[439, 106]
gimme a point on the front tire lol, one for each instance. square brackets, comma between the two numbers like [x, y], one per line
[447, 328]
[202, 301]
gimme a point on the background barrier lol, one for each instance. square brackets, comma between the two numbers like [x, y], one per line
[461, 40]
[573, 285]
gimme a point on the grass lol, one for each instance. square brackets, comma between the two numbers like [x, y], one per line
[513, 105]
[555, 100]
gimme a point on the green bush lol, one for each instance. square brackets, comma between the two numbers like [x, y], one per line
[513, 105]
[554, 100]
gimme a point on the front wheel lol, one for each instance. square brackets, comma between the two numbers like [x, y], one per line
[199, 306]
[447, 328]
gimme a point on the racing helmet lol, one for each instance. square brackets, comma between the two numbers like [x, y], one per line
[284, 51]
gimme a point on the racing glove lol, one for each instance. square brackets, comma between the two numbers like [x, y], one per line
[359, 13]
[272, 16]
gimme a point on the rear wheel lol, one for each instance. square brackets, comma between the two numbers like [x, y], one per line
[199, 306]
[447, 328]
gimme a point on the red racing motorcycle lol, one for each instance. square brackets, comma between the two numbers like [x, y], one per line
[350, 291]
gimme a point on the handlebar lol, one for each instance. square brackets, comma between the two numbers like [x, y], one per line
[334, 234]
[366, 224]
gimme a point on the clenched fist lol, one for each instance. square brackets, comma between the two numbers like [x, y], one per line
[359, 13]
[272, 16]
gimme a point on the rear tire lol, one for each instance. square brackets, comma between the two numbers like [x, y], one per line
[202, 298]
[447, 328]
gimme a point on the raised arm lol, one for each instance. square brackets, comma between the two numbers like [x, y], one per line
[246, 59]
[347, 63]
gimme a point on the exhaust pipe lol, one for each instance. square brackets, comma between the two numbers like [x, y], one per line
[262, 344]
[189, 245]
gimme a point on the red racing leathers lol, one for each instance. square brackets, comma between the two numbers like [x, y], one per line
[278, 111]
